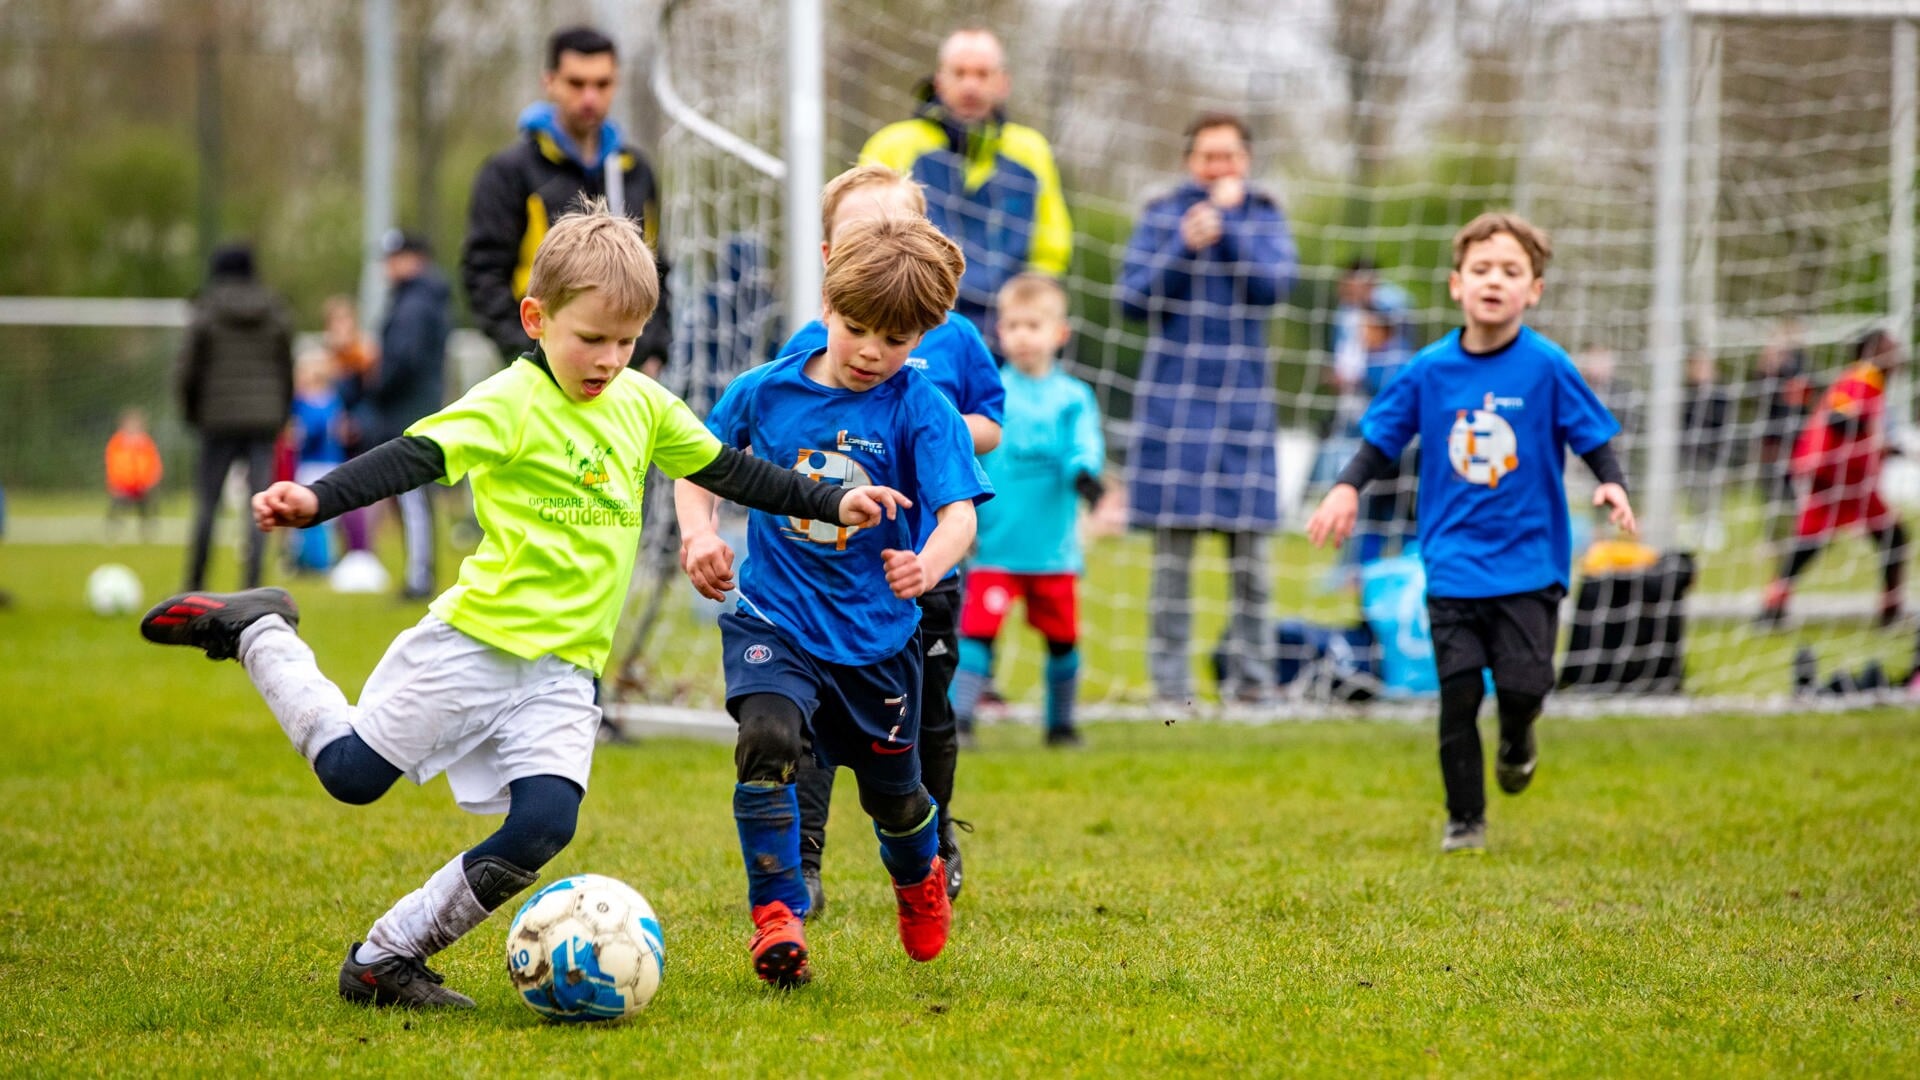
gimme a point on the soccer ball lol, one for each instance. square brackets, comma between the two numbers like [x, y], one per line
[359, 572]
[586, 948]
[113, 589]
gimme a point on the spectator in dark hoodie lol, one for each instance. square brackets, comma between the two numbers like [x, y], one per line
[567, 148]
[235, 383]
[408, 382]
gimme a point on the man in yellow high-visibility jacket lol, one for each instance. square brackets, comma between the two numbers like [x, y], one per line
[991, 184]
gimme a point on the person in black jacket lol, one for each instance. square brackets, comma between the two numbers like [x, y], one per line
[409, 382]
[568, 149]
[235, 384]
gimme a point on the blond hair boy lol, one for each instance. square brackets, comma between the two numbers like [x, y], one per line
[494, 687]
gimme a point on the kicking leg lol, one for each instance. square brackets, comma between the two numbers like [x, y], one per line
[813, 784]
[766, 811]
[1513, 766]
[389, 968]
[908, 828]
[939, 744]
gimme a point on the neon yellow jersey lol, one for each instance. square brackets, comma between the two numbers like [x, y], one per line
[557, 486]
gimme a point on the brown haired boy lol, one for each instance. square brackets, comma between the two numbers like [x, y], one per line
[1496, 406]
[824, 644]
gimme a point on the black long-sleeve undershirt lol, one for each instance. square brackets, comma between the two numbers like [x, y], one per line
[1371, 463]
[410, 461]
[1089, 487]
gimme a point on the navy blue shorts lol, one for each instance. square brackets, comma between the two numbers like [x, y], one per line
[866, 718]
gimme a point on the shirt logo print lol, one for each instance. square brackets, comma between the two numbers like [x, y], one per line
[826, 467]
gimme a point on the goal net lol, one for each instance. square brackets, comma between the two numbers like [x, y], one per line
[1381, 127]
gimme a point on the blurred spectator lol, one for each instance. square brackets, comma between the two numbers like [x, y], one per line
[235, 384]
[133, 472]
[352, 359]
[410, 382]
[1356, 355]
[568, 148]
[317, 432]
[1205, 268]
[991, 184]
[1838, 455]
[1704, 444]
[1386, 510]
[1601, 368]
[1784, 393]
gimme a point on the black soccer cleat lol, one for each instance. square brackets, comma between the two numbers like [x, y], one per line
[214, 621]
[405, 981]
[1513, 766]
[816, 892]
[949, 853]
[1465, 837]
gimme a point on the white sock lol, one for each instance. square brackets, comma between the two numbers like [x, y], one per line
[426, 920]
[311, 710]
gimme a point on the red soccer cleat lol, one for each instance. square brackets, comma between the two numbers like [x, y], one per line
[926, 914]
[779, 946]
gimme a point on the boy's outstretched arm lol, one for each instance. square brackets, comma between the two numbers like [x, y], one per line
[762, 485]
[1341, 507]
[911, 573]
[395, 466]
[1613, 487]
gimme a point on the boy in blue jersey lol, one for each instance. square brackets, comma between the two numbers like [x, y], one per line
[955, 358]
[1497, 406]
[1029, 545]
[824, 645]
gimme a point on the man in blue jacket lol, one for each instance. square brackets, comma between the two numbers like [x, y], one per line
[409, 383]
[1207, 264]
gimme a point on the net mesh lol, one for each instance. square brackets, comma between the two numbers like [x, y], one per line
[1380, 128]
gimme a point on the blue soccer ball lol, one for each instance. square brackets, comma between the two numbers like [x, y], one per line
[586, 948]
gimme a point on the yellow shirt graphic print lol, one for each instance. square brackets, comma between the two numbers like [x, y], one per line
[1482, 446]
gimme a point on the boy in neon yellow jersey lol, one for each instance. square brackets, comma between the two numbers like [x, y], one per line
[495, 686]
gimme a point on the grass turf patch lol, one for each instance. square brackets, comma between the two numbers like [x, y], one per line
[1730, 895]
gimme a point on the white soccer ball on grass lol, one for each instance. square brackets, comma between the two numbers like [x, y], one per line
[586, 948]
[113, 590]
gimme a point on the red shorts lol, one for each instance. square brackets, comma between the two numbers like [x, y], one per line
[1052, 607]
[1823, 514]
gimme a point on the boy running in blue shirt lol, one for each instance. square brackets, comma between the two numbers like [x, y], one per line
[1029, 546]
[955, 357]
[823, 645]
[495, 686]
[1496, 406]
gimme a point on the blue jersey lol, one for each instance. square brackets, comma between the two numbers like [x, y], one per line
[956, 358]
[1052, 435]
[317, 417]
[1495, 429]
[825, 584]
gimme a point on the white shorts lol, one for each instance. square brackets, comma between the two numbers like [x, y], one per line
[440, 701]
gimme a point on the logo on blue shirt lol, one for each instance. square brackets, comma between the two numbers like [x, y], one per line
[855, 442]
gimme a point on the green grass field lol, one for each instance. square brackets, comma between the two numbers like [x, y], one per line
[1679, 897]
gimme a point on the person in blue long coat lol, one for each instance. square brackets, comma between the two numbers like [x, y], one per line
[1207, 265]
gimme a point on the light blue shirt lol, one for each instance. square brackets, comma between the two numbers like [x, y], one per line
[1051, 436]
